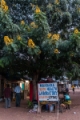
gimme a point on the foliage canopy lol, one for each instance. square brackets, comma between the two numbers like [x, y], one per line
[40, 37]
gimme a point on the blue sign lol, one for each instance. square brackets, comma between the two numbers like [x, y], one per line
[47, 92]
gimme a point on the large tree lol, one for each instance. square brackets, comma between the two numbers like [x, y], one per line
[47, 41]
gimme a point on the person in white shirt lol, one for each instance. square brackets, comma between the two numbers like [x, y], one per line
[17, 90]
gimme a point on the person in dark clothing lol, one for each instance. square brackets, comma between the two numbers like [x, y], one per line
[67, 90]
[7, 96]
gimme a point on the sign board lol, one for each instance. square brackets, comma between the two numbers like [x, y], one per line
[47, 92]
[76, 82]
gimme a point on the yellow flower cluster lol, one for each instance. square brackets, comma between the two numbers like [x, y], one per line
[49, 35]
[56, 51]
[31, 43]
[56, 1]
[37, 11]
[22, 22]
[76, 31]
[55, 37]
[8, 40]
[34, 25]
[3, 6]
[19, 37]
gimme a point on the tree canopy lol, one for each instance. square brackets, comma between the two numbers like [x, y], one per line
[40, 37]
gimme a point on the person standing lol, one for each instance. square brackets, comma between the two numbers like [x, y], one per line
[73, 88]
[67, 88]
[7, 96]
[17, 91]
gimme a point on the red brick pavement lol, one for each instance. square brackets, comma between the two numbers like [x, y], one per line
[22, 112]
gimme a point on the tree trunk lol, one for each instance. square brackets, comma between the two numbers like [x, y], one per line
[35, 86]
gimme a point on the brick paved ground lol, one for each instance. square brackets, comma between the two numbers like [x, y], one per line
[22, 113]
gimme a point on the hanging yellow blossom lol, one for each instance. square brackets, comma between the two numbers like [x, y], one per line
[56, 1]
[3, 3]
[49, 35]
[76, 31]
[37, 11]
[56, 51]
[31, 43]
[55, 37]
[5, 9]
[3, 6]
[34, 25]
[22, 22]
[18, 37]
[7, 40]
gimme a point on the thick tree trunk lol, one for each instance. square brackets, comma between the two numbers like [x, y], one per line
[35, 86]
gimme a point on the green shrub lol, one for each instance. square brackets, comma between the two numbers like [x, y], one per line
[30, 104]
